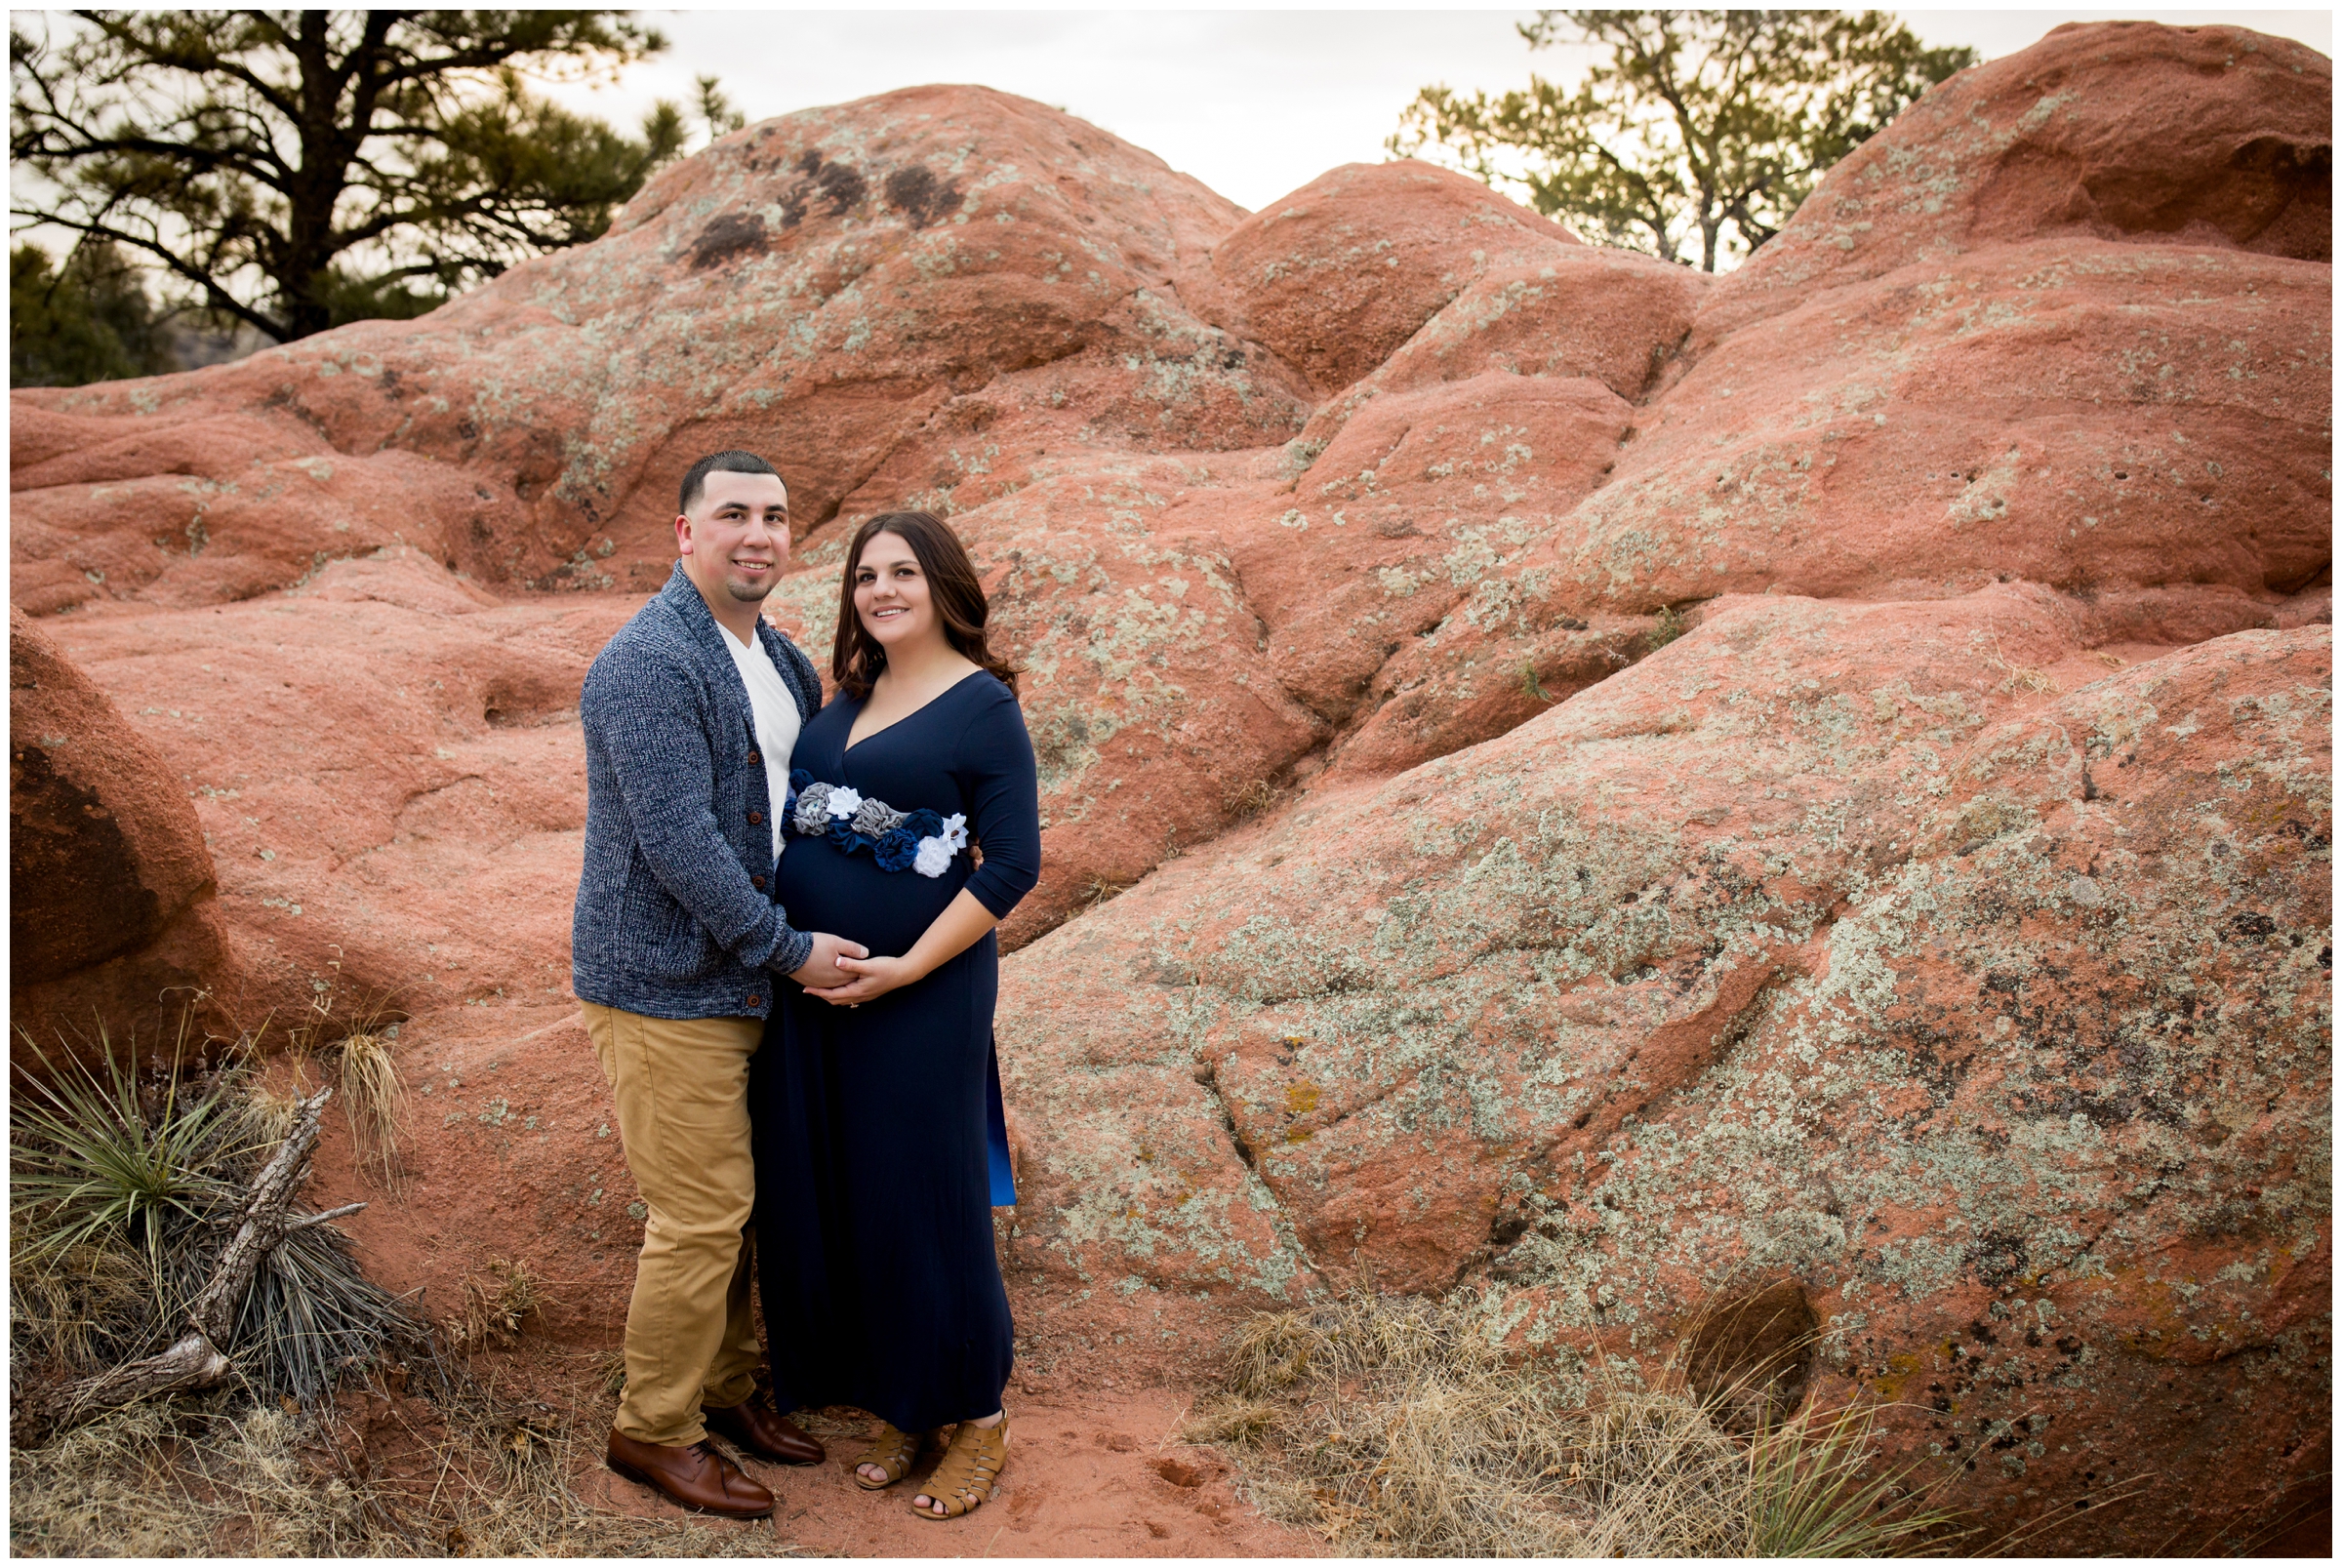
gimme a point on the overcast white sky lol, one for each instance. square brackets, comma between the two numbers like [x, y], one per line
[1253, 103]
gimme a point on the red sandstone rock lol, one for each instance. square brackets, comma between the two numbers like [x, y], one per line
[388, 773]
[112, 928]
[1611, 315]
[816, 287]
[2129, 132]
[1340, 273]
[1659, 980]
[2090, 416]
[1420, 496]
[1763, 957]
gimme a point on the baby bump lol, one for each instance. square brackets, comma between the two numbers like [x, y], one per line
[823, 888]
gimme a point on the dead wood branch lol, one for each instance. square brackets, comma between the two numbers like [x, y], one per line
[197, 1359]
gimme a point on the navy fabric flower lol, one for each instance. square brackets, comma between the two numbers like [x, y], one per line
[799, 780]
[843, 834]
[896, 851]
[921, 824]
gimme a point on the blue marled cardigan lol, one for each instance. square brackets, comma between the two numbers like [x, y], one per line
[675, 915]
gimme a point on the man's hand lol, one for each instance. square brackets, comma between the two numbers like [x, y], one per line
[820, 969]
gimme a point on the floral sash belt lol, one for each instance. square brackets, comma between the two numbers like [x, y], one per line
[922, 841]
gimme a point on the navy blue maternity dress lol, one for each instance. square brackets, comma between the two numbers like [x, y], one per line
[876, 1127]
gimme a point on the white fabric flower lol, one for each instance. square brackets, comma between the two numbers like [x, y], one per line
[955, 830]
[844, 802]
[934, 858]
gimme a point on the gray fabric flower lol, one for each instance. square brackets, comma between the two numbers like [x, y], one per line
[875, 819]
[813, 809]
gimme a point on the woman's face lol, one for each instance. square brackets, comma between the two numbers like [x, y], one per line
[891, 595]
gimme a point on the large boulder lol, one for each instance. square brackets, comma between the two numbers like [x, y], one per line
[1418, 498]
[388, 773]
[816, 287]
[2126, 132]
[1638, 788]
[114, 937]
[1337, 275]
[1584, 311]
[2101, 417]
[1831, 944]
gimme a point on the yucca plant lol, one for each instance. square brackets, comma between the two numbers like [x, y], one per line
[110, 1167]
[1812, 1492]
[96, 1162]
[1398, 1426]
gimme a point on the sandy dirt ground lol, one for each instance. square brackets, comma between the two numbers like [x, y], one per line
[1089, 1475]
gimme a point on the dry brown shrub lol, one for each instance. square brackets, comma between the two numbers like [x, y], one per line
[1397, 1426]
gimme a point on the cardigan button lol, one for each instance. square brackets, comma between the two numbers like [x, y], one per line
[756, 881]
[755, 759]
[754, 817]
[755, 1001]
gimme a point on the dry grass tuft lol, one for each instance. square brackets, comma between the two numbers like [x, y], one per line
[1099, 891]
[181, 1480]
[2019, 677]
[1252, 799]
[495, 1308]
[372, 1098]
[1396, 1426]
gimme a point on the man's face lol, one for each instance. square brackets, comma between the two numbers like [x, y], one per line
[734, 539]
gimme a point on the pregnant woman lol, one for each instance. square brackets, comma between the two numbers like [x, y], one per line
[877, 1104]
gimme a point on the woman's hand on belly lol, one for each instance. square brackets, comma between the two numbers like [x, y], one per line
[868, 977]
[960, 926]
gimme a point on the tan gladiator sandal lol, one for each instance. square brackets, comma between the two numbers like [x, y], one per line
[892, 1451]
[970, 1470]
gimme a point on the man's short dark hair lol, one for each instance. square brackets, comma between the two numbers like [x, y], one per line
[695, 481]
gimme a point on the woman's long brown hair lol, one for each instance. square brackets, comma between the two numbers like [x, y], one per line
[857, 658]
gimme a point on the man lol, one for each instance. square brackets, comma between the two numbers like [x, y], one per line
[690, 714]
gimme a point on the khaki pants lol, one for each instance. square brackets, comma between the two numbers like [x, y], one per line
[682, 1092]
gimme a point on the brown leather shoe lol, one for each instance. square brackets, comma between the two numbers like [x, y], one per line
[696, 1476]
[756, 1426]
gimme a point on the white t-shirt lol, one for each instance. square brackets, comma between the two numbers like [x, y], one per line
[777, 722]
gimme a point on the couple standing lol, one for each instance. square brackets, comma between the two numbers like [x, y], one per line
[784, 950]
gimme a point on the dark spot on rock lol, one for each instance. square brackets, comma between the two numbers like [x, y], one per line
[1752, 1354]
[467, 431]
[919, 196]
[726, 238]
[843, 187]
[2252, 925]
[1998, 1257]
